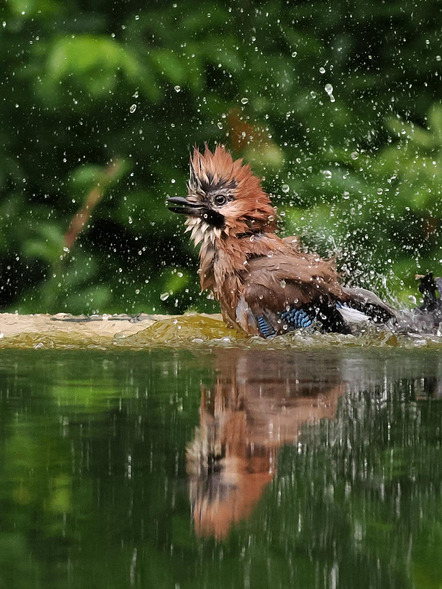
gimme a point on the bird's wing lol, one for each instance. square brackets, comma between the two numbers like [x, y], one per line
[369, 304]
[284, 292]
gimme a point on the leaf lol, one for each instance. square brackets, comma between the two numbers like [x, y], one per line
[94, 62]
[435, 122]
[169, 65]
[47, 244]
[413, 132]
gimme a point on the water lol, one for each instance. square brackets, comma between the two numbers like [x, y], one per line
[221, 468]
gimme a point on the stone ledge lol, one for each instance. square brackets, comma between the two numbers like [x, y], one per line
[29, 330]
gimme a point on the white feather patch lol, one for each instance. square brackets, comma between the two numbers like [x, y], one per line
[202, 232]
[352, 315]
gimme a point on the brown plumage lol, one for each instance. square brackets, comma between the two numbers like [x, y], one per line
[259, 402]
[265, 284]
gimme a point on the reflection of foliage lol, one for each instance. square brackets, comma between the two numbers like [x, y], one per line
[93, 493]
[337, 108]
[361, 475]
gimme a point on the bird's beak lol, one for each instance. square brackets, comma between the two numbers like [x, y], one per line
[180, 204]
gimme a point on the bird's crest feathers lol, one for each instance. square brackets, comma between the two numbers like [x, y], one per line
[250, 208]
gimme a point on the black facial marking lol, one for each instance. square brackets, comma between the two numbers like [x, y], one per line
[213, 218]
[211, 186]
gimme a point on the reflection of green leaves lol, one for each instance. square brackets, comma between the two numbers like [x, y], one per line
[26, 458]
[81, 397]
[60, 500]
[427, 565]
[92, 458]
[18, 567]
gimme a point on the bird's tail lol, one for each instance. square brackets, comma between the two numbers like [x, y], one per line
[363, 305]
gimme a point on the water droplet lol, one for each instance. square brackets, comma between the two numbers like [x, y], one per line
[327, 173]
[244, 100]
[283, 283]
[133, 108]
[294, 53]
[329, 89]
[313, 94]
[285, 188]
[322, 70]
[177, 88]
[164, 296]
[354, 155]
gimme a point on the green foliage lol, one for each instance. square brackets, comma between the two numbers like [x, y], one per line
[387, 207]
[337, 106]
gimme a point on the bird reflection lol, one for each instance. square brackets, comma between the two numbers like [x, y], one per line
[259, 402]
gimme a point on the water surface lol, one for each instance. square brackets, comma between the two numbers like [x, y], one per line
[221, 468]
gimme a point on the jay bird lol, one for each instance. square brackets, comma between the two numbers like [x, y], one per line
[265, 284]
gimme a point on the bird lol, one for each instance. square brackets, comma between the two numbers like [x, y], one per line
[266, 285]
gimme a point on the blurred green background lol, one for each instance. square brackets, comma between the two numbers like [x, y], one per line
[336, 105]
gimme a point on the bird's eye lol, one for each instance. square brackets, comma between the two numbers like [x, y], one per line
[220, 199]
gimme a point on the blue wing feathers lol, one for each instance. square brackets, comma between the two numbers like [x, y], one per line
[293, 318]
[265, 327]
[296, 318]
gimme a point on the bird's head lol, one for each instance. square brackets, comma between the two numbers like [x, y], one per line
[224, 198]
